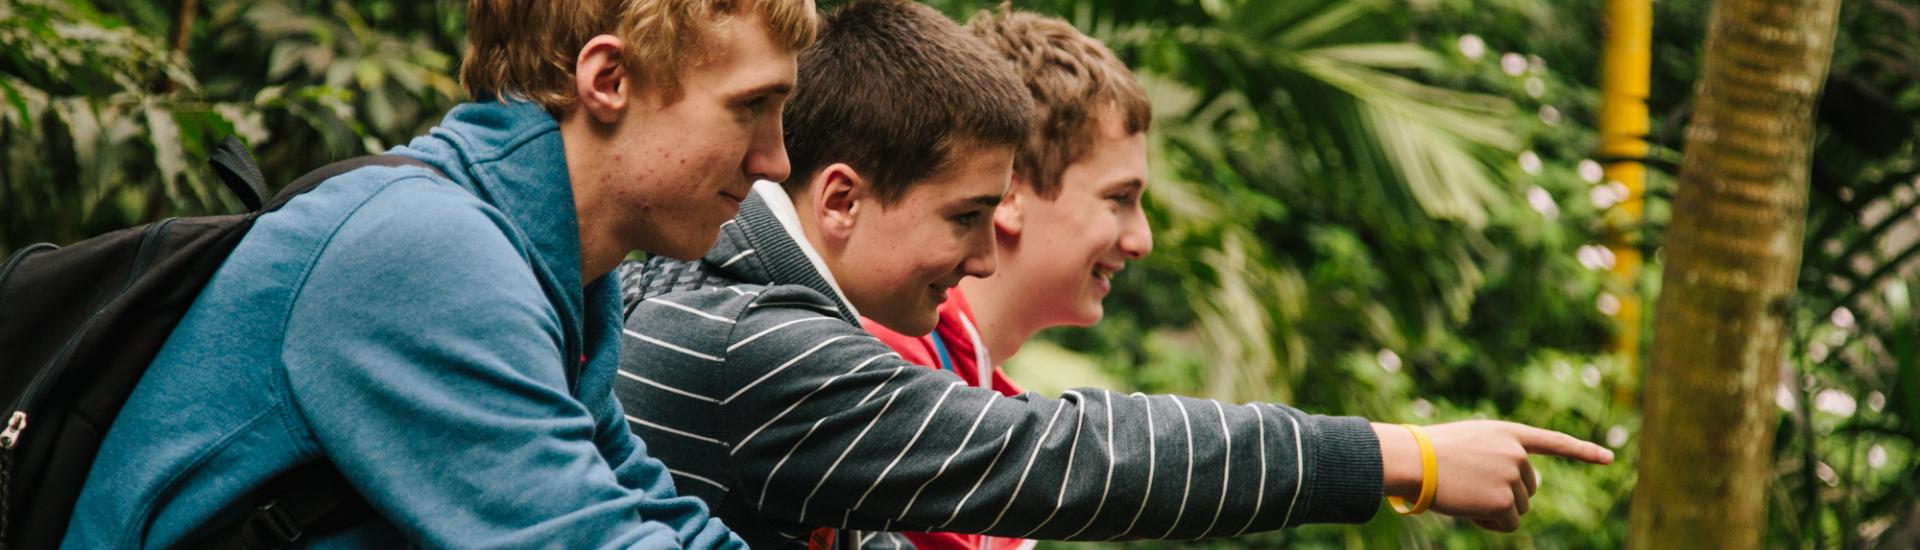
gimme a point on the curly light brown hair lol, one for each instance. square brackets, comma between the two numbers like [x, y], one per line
[1072, 78]
[526, 49]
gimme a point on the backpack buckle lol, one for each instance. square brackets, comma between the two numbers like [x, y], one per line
[273, 522]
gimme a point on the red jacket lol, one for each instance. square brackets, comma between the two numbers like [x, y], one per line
[965, 355]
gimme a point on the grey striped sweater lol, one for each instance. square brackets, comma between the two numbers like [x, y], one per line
[748, 377]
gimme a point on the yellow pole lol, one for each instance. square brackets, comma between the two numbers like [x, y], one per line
[1626, 66]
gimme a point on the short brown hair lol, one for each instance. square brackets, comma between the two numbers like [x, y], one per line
[1072, 78]
[893, 88]
[526, 48]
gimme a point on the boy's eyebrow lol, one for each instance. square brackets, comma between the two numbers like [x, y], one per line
[771, 88]
[989, 201]
[1129, 184]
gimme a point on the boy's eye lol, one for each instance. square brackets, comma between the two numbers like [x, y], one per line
[967, 219]
[755, 107]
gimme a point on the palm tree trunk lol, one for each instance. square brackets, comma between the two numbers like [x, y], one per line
[1731, 257]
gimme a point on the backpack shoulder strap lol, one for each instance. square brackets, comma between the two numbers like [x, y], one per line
[313, 498]
[313, 179]
[236, 167]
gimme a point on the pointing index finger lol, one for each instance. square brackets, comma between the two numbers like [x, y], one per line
[1552, 443]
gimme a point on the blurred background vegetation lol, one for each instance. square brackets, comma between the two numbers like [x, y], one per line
[1388, 208]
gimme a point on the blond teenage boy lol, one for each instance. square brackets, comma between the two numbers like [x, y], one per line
[446, 338]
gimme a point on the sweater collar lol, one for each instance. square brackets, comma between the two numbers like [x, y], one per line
[509, 155]
[764, 244]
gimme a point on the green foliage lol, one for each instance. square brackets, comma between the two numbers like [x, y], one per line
[107, 126]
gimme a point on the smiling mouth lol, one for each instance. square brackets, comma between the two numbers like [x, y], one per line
[737, 199]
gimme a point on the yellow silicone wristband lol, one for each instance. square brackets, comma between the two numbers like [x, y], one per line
[1429, 474]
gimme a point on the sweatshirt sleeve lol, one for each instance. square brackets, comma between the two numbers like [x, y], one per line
[429, 367]
[829, 427]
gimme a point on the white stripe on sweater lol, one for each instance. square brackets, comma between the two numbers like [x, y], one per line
[688, 475]
[735, 258]
[757, 335]
[1299, 474]
[1152, 464]
[1004, 440]
[1106, 398]
[1226, 467]
[949, 460]
[804, 504]
[664, 344]
[935, 411]
[881, 386]
[762, 504]
[689, 309]
[1186, 488]
[1066, 478]
[803, 399]
[1260, 495]
[1031, 458]
[669, 389]
[782, 367]
[682, 433]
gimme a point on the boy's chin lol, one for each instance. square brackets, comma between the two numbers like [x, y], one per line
[1086, 315]
[916, 324]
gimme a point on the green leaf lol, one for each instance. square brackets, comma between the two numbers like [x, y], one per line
[168, 156]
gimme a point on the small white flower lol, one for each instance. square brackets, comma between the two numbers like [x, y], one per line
[1535, 87]
[1530, 162]
[1591, 171]
[1841, 317]
[1834, 402]
[1602, 197]
[1608, 304]
[1588, 255]
[1472, 46]
[1388, 360]
[1549, 115]
[1542, 202]
[1590, 375]
[1616, 436]
[1513, 64]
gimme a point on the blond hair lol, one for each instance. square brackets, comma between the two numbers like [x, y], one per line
[526, 49]
[1072, 79]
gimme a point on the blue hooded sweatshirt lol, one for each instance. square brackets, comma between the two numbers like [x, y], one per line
[432, 337]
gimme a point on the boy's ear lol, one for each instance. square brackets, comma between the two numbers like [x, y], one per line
[600, 79]
[1007, 216]
[839, 194]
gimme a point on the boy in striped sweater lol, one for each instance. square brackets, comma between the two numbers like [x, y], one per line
[748, 374]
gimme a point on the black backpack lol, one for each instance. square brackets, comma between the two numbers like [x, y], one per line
[78, 327]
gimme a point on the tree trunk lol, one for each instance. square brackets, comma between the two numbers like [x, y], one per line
[1731, 257]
